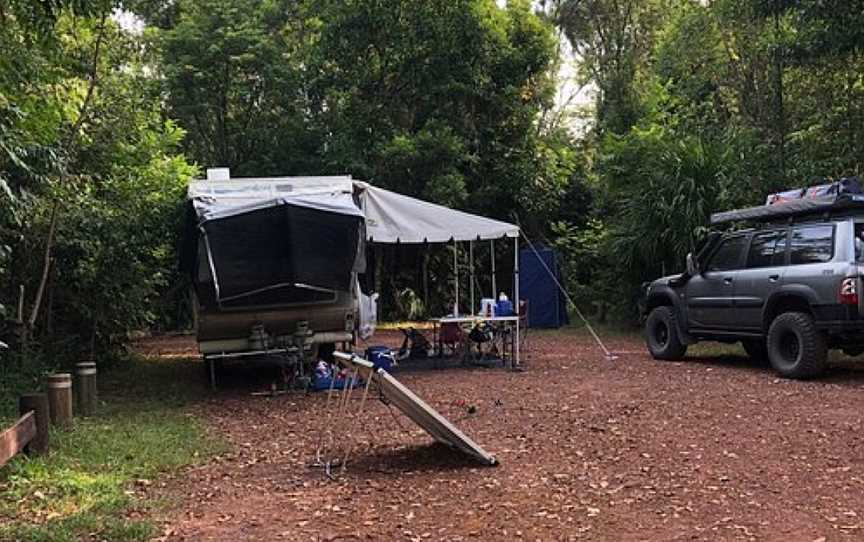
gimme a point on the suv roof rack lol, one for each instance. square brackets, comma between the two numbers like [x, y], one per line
[832, 205]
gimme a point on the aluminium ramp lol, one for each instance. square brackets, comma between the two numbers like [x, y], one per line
[429, 419]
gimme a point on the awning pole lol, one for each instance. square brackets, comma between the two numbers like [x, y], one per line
[471, 274]
[516, 295]
[456, 277]
[494, 286]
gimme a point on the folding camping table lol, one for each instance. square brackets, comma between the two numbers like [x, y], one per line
[508, 322]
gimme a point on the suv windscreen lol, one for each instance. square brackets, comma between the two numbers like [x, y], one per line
[767, 249]
[812, 244]
[728, 254]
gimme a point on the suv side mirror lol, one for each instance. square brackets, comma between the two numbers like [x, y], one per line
[692, 266]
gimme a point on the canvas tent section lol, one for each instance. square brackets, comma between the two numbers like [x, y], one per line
[313, 248]
[547, 307]
[393, 218]
[265, 242]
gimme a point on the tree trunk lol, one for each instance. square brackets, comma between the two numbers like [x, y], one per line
[49, 309]
[46, 267]
[68, 146]
[779, 110]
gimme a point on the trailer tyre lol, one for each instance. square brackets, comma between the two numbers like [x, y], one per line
[796, 348]
[661, 335]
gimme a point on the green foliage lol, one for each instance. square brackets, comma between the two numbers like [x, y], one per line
[410, 305]
[432, 98]
[613, 38]
[699, 106]
[89, 157]
[436, 99]
[232, 78]
[585, 261]
[703, 107]
[665, 185]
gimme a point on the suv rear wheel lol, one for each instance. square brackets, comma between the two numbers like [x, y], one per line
[661, 334]
[796, 348]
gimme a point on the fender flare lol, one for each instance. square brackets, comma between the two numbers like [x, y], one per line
[796, 291]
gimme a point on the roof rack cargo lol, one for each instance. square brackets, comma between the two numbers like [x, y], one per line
[842, 196]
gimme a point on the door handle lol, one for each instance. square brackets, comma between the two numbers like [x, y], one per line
[773, 278]
[727, 280]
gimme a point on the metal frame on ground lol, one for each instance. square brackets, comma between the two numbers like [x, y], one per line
[416, 409]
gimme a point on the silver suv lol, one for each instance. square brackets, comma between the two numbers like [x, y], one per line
[788, 291]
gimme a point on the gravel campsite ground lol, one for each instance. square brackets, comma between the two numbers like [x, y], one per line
[713, 448]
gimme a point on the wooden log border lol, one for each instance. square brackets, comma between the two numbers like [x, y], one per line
[30, 433]
[17, 437]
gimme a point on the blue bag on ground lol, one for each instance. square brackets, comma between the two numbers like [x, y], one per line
[381, 357]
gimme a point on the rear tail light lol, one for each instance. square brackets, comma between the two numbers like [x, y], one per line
[849, 291]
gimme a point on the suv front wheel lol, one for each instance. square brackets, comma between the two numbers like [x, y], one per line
[661, 334]
[796, 348]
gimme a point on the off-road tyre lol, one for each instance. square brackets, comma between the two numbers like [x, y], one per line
[757, 350]
[796, 348]
[661, 335]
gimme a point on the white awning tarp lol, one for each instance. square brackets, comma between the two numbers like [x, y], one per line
[395, 218]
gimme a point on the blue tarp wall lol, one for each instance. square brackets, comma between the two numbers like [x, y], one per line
[546, 304]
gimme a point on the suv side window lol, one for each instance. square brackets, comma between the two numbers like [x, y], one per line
[728, 254]
[859, 242]
[812, 244]
[767, 249]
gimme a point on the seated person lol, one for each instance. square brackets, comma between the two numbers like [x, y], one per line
[415, 345]
[451, 336]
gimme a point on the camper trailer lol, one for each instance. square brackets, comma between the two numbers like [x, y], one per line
[275, 262]
[274, 265]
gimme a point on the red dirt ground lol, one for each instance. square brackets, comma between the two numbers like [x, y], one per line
[589, 449]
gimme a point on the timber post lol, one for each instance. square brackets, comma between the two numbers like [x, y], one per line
[60, 399]
[85, 387]
[38, 404]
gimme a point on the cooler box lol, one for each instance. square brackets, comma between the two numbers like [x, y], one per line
[504, 307]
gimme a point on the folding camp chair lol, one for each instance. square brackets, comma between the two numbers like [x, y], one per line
[452, 336]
